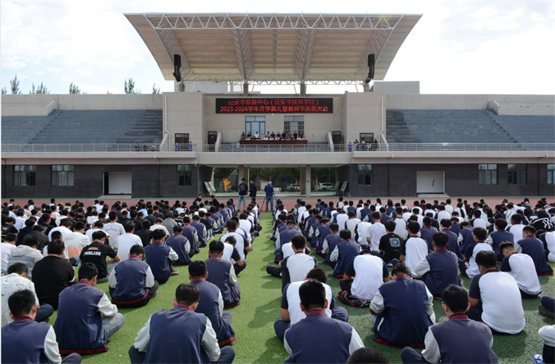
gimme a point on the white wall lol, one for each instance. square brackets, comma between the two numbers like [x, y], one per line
[363, 115]
[184, 115]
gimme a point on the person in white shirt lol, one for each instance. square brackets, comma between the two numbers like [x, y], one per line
[352, 222]
[362, 233]
[158, 224]
[77, 240]
[472, 251]
[126, 241]
[341, 218]
[98, 225]
[522, 268]
[7, 245]
[478, 221]
[516, 227]
[550, 241]
[64, 228]
[113, 229]
[442, 213]
[19, 219]
[414, 249]
[240, 244]
[400, 224]
[448, 207]
[375, 232]
[495, 298]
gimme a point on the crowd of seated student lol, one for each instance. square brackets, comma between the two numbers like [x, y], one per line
[383, 255]
[273, 136]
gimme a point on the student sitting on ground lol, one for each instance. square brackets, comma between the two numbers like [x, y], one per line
[160, 256]
[222, 273]
[522, 268]
[132, 283]
[28, 341]
[458, 340]
[291, 312]
[318, 338]
[197, 342]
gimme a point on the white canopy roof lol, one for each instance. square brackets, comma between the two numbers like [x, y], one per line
[269, 48]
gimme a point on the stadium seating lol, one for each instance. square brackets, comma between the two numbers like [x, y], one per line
[527, 129]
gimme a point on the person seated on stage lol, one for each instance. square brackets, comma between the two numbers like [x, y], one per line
[440, 268]
[495, 298]
[27, 341]
[344, 253]
[86, 318]
[450, 341]
[160, 256]
[131, 282]
[211, 302]
[402, 310]
[291, 312]
[318, 338]
[193, 331]
[522, 268]
[362, 279]
[243, 136]
[222, 273]
[534, 248]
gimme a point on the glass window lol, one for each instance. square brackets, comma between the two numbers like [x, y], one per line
[516, 174]
[62, 175]
[24, 175]
[254, 124]
[181, 142]
[551, 174]
[487, 174]
[184, 175]
[364, 174]
[293, 124]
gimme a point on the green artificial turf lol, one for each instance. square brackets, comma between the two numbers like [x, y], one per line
[260, 306]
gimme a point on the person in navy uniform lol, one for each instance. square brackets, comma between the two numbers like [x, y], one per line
[344, 253]
[160, 256]
[450, 341]
[222, 273]
[27, 341]
[132, 283]
[155, 342]
[86, 318]
[211, 303]
[319, 338]
[534, 248]
[402, 310]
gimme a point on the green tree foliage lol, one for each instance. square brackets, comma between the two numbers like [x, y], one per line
[129, 86]
[4, 91]
[14, 86]
[41, 90]
[155, 90]
[74, 89]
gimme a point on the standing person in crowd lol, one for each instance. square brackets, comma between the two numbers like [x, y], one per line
[86, 318]
[194, 332]
[269, 190]
[243, 190]
[252, 190]
[457, 340]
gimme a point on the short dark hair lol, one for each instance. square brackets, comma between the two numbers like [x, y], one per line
[98, 235]
[529, 229]
[231, 240]
[216, 246]
[505, 245]
[158, 234]
[367, 355]
[317, 274]
[177, 229]
[390, 225]
[129, 226]
[345, 234]
[231, 225]
[376, 215]
[56, 246]
[486, 259]
[445, 223]
[455, 297]
[298, 241]
[197, 268]
[441, 239]
[21, 302]
[334, 227]
[18, 268]
[136, 250]
[11, 237]
[400, 268]
[187, 294]
[312, 294]
[30, 241]
[501, 223]
[88, 270]
[413, 227]
[480, 233]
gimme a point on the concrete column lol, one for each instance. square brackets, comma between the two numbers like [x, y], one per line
[245, 89]
[366, 86]
[243, 172]
[303, 89]
[306, 181]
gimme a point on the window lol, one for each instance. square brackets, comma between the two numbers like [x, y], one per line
[364, 174]
[255, 124]
[62, 175]
[487, 174]
[181, 142]
[293, 124]
[516, 174]
[24, 175]
[183, 175]
[551, 174]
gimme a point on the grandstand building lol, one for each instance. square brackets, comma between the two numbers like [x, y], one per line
[167, 145]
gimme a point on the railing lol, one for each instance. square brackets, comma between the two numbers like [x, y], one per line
[281, 148]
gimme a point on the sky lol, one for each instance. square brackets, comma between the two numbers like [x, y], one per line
[457, 47]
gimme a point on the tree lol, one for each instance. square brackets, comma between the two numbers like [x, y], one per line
[4, 91]
[155, 90]
[14, 85]
[74, 89]
[41, 90]
[129, 86]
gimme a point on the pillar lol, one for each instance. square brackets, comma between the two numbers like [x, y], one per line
[243, 172]
[306, 181]
[245, 89]
[303, 89]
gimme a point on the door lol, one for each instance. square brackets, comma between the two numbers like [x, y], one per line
[430, 182]
[119, 183]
